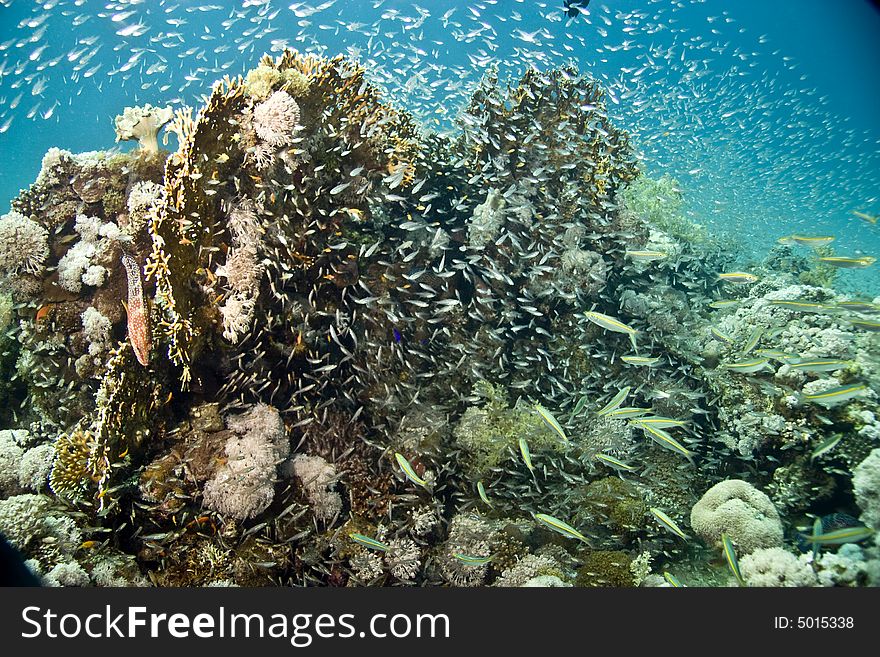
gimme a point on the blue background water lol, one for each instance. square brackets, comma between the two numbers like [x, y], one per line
[779, 134]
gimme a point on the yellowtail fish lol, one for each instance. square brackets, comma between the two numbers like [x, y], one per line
[368, 542]
[616, 401]
[612, 462]
[645, 256]
[721, 337]
[612, 324]
[859, 306]
[668, 522]
[663, 439]
[672, 579]
[866, 324]
[801, 306]
[526, 454]
[737, 277]
[409, 472]
[870, 218]
[557, 525]
[629, 411]
[470, 560]
[551, 422]
[640, 360]
[804, 240]
[836, 395]
[752, 342]
[746, 366]
[658, 421]
[482, 492]
[817, 364]
[841, 536]
[849, 263]
[724, 303]
[730, 557]
[826, 446]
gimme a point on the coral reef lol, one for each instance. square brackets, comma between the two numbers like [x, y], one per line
[321, 343]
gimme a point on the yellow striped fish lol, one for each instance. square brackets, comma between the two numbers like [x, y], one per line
[557, 525]
[859, 306]
[801, 306]
[368, 542]
[616, 401]
[658, 421]
[526, 454]
[724, 303]
[835, 395]
[628, 411]
[870, 325]
[849, 263]
[737, 277]
[730, 557]
[645, 256]
[870, 218]
[746, 366]
[752, 342]
[407, 468]
[470, 560]
[640, 360]
[612, 462]
[668, 523]
[672, 579]
[551, 422]
[721, 337]
[817, 364]
[610, 323]
[826, 446]
[841, 536]
[481, 490]
[775, 354]
[804, 240]
[663, 439]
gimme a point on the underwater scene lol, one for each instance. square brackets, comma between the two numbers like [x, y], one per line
[559, 293]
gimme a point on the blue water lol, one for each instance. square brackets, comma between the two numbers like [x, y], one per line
[777, 133]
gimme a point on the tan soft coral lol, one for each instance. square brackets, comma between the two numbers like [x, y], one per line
[143, 124]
